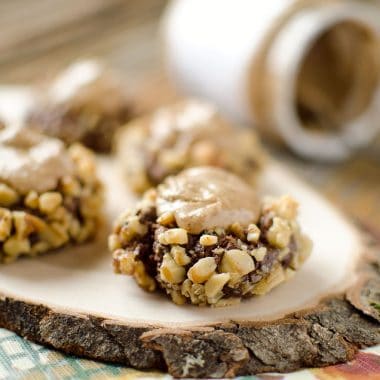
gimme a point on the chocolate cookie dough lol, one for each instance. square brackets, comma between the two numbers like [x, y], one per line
[185, 135]
[84, 104]
[205, 238]
[49, 195]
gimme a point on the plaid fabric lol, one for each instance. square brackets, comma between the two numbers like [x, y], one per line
[20, 359]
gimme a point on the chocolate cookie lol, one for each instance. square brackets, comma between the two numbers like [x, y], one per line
[84, 104]
[205, 238]
[49, 195]
[185, 135]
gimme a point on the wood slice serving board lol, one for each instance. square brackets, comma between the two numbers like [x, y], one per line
[72, 301]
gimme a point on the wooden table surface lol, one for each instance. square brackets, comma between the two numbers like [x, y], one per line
[42, 36]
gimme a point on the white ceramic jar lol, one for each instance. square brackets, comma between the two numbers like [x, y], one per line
[306, 73]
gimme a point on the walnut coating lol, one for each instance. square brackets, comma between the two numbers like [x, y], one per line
[90, 111]
[35, 223]
[185, 135]
[217, 266]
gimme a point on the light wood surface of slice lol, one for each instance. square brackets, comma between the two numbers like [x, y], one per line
[80, 279]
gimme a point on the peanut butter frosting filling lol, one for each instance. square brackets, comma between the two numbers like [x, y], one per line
[186, 117]
[87, 84]
[31, 161]
[181, 127]
[205, 198]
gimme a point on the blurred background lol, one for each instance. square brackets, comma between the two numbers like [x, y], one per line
[43, 36]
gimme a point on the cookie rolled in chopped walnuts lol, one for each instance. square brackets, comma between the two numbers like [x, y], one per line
[86, 104]
[49, 195]
[184, 135]
[204, 238]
